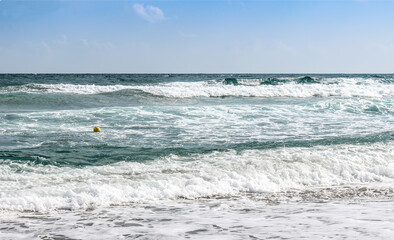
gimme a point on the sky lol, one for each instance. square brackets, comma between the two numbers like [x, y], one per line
[197, 36]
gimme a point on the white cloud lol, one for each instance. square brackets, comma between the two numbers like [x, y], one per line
[149, 13]
[85, 42]
[97, 45]
[63, 40]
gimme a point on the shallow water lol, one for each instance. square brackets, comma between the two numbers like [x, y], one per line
[242, 218]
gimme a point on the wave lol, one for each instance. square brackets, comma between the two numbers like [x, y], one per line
[237, 89]
[305, 87]
[271, 81]
[63, 88]
[29, 101]
[97, 154]
[40, 100]
[37, 187]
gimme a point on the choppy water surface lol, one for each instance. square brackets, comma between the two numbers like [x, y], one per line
[196, 150]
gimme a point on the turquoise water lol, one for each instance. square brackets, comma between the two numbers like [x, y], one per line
[48, 119]
[170, 137]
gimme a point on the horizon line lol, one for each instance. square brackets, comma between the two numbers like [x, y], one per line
[193, 73]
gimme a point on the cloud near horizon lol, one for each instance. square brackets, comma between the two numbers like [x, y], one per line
[149, 13]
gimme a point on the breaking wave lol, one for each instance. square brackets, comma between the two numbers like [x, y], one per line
[305, 87]
[31, 187]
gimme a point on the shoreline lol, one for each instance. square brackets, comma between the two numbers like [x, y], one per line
[358, 218]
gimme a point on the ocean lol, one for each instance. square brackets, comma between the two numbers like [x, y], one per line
[197, 156]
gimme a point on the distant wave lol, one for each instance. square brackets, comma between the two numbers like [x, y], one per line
[269, 81]
[72, 99]
[64, 88]
[304, 87]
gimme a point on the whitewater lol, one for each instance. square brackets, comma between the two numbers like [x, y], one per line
[216, 156]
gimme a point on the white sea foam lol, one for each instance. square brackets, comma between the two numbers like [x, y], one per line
[217, 219]
[247, 88]
[187, 90]
[203, 125]
[64, 88]
[281, 171]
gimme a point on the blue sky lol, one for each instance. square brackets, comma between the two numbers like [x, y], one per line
[197, 36]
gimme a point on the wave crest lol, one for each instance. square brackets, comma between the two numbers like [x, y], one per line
[304, 87]
[285, 171]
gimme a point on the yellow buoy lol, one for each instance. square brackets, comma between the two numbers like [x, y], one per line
[96, 129]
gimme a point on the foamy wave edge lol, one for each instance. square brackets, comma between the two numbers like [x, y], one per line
[206, 89]
[26, 187]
